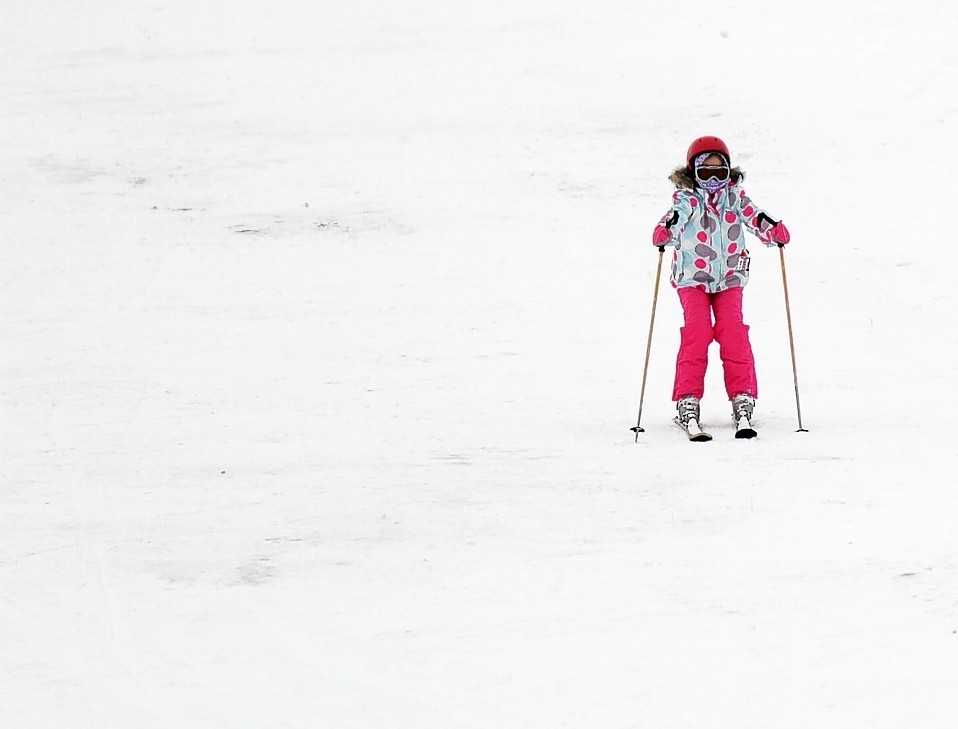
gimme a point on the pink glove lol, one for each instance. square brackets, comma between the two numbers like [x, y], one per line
[780, 233]
[661, 235]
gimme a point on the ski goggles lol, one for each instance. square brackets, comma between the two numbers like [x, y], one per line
[711, 172]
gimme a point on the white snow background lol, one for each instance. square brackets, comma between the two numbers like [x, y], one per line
[322, 333]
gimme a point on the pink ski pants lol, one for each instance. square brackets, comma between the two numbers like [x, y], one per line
[729, 330]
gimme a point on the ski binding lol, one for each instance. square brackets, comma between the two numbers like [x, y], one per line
[693, 430]
[744, 429]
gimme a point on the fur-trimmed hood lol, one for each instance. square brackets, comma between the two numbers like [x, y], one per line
[683, 177]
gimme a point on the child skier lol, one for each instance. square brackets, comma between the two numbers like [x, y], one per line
[705, 225]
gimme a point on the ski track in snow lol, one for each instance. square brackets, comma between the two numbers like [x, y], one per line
[323, 330]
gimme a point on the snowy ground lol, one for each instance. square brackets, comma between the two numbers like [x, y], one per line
[323, 328]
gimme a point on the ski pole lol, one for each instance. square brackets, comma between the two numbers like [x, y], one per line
[791, 338]
[648, 347]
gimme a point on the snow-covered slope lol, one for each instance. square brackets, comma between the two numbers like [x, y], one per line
[323, 327]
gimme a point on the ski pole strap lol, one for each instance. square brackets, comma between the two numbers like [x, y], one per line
[763, 218]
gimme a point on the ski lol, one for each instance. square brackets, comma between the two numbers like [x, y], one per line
[693, 430]
[744, 429]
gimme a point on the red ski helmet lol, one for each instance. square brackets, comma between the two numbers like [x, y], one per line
[707, 144]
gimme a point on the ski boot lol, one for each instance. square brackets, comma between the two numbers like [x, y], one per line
[688, 418]
[743, 408]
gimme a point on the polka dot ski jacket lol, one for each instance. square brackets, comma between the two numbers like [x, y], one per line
[708, 234]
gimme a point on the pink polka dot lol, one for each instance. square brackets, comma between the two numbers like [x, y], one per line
[702, 236]
[730, 217]
[701, 264]
[755, 221]
[733, 247]
[749, 211]
[694, 203]
[729, 274]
